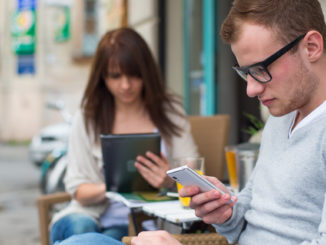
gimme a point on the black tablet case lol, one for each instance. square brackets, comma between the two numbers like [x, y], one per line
[119, 155]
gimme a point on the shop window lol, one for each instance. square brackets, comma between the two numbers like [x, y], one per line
[98, 16]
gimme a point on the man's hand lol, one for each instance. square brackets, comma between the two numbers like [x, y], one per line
[153, 168]
[154, 238]
[211, 206]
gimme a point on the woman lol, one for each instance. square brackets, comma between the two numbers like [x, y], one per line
[124, 94]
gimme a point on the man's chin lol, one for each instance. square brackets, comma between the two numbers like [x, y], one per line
[277, 113]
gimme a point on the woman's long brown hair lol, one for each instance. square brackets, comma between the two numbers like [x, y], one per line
[126, 49]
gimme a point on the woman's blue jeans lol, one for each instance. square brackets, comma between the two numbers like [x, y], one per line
[73, 224]
[90, 239]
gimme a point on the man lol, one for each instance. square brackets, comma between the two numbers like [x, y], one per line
[279, 46]
[280, 49]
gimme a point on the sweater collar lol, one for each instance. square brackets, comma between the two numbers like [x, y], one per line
[316, 114]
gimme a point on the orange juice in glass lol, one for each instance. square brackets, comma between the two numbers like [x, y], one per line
[231, 161]
[197, 164]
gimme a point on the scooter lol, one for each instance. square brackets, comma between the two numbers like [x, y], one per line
[53, 170]
[48, 150]
[51, 137]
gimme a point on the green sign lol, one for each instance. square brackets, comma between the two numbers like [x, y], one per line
[62, 24]
[23, 31]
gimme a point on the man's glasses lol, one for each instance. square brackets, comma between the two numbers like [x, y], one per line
[259, 70]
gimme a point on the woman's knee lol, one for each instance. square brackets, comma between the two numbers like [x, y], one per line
[90, 239]
[70, 225]
[81, 223]
[116, 232]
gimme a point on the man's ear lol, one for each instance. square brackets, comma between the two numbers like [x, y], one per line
[314, 45]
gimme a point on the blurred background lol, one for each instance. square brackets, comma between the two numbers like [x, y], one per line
[46, 48]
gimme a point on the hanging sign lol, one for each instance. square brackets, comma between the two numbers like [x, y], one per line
[26, 64]
[62, 24]
[24, 27]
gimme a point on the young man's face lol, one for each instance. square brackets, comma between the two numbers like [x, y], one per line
[291, 86]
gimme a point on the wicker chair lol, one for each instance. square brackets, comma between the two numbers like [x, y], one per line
[210, 134]
[193, 239]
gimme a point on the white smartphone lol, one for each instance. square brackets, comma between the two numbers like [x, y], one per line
[187, 176]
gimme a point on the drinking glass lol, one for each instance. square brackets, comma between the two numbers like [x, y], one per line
[231, 162]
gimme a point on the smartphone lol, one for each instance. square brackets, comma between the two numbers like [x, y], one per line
[187, 176]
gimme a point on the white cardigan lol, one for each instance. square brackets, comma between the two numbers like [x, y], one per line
[86, 165]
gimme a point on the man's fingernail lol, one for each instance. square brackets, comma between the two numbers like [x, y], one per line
[216, 194]
[226, 197]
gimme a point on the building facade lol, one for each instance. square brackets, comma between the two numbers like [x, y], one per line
[182, 34]
[58, 68]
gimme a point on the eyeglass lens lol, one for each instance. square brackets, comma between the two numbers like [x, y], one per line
[259, 73]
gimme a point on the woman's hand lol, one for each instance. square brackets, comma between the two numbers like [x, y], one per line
[154, 237]
[153, 168]
[211, 206]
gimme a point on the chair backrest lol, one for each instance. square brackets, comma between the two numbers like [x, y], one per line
[192, 239]
[211, 135]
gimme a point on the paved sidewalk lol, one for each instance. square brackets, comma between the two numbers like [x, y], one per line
[18, 193]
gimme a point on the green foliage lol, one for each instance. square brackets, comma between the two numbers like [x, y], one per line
[256, 124]
[17, 143]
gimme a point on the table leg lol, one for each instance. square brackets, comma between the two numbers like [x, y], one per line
[133, 217]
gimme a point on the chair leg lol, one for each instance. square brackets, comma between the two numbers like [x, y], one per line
[133, 226]
[135, 222]
[43, 210]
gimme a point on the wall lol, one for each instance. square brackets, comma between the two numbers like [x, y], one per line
[323, 5]
[61, 74]
[174, 46]
[23, 97]
[142, 16]
[18, 95]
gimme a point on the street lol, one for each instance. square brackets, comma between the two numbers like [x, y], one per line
[18, 194]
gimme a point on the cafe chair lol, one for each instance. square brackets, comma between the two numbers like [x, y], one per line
[210, 134]
[193, 239]
[45, 204]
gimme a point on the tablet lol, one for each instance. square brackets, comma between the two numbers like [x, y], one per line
[119, 155]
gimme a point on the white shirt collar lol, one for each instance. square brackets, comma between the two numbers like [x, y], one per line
[316, 114]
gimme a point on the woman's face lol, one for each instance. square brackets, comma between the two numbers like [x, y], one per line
[125, 89]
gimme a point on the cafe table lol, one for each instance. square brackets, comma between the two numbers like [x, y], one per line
[171, 211]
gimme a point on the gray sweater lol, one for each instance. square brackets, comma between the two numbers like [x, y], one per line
[284, 200]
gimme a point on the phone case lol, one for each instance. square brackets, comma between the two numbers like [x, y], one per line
[187, 176]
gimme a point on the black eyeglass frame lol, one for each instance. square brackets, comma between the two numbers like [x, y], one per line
[245, 70]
